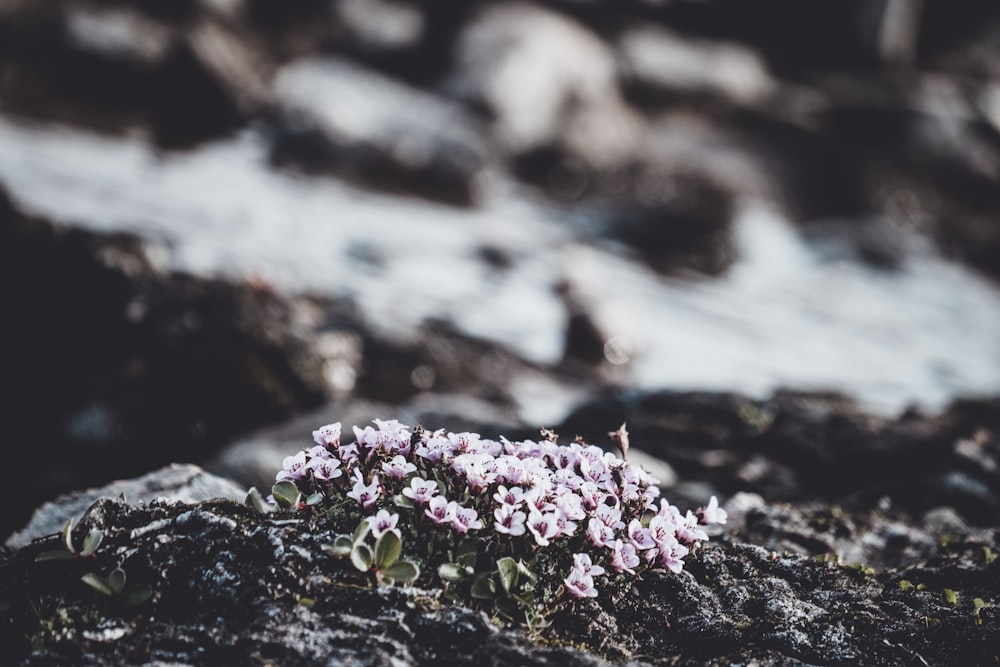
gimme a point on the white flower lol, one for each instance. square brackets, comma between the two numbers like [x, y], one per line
[544, 526]
[398, 467]
[383, 522]
[509, 520]
[466, 519]
[328, 436]
[580, 585]
[293, 467]
[421, 490]
[713, 513]
[440, 510]
[366, 495]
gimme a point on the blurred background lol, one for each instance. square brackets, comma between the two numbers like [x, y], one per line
[766, 232]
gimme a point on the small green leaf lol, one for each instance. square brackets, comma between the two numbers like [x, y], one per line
[340, 548]
[286, 493]
[402, 501]
[97, 584]
[508, 573]
[525, 573]
[905, 585]
[137, 595]
[256, 501]
[387, 549]
[466, 552]
[361, 532]
[451, 572]
[403, 571]
[484, 588]
[92, 542]
[988, 556]
[53, 554]
[116, 580]
[362, 557]
[950, 596]
[314, 499]
[308, 603]
[979, 603]
[67, 535]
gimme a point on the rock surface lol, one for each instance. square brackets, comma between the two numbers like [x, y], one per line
[185, 483]
[232, 585]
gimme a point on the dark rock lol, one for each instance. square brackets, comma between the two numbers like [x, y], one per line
[118, 367]
[797, 447]
[338, 117]
[229, 584]
[180, 483]
[118, 69]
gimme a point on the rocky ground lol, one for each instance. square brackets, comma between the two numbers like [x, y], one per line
[633, 133]
[216, 581]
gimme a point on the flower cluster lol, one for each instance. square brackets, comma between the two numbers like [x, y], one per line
[516, 498]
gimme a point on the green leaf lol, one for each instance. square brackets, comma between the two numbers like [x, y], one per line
[979, 603]
[400, 500]
[950, 596]
[451, 572]
[403, 571]
[67, 535]
[137, 595]
[53, 554]
[340, 548]
[314, 499]
[286, 493]
[361, 531]
[905, 585]
[92, 541]
[97, 584]
[387, 549]
[362, 557]
[466, 552]
[256, 501]
[508, 573]
[484, 588]
[526, 574]
[116, 580]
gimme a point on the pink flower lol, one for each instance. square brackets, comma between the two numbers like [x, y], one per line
[610, 517]
[713, 513]
[440, 510]
[366, 495]
[294, 467]
[583, 563]
[325, 469]
[398, 467]
[671, 556]
[543, 526]
[421, 490]
[466, 519]
[328, 436]
[580, 585]
[348, 453]
[514, 496]
[434, 447]
[599, 534]
[383, 522]
[318, 452]
[688, 530]
[509, 520]
[624, 557]
[640, 536]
